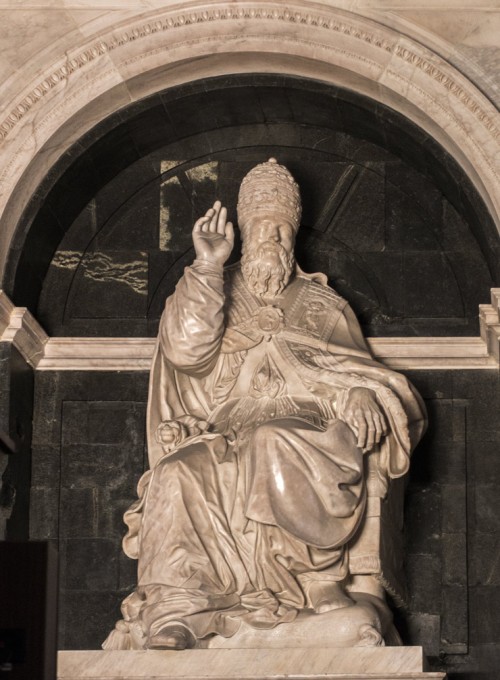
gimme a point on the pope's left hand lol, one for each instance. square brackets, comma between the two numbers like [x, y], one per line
[365, 417]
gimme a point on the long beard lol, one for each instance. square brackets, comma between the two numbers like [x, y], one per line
[267, 268]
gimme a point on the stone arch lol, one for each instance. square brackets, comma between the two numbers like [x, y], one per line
[386, 211]
[123, 63]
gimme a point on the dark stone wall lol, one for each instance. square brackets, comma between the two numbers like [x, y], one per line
[387, 238]
[89, 452]
[16, 409]
[7, 491]
[388, 215]
[452, 522]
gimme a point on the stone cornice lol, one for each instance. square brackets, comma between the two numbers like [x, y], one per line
[97, 354]
[135, 354]
[19, 327]
[453, 353]
[489, 320]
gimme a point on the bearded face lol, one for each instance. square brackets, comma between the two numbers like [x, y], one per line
[266, 266]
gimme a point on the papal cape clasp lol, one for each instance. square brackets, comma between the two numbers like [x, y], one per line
[270, 320]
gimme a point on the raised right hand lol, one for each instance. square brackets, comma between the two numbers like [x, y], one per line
[213, 235]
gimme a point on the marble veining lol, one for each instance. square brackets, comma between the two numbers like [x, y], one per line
[103, 268]
[310, 664]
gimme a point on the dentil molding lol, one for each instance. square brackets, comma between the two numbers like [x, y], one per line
[112, 64]
[289, 14]
[300, 14]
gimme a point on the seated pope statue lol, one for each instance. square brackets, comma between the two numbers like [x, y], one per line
[265, 405]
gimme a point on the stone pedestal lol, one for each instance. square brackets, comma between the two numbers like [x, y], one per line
[374, 663]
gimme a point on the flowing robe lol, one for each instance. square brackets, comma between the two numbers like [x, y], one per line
[265, 488]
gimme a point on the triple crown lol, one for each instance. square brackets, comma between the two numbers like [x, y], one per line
[269, 188]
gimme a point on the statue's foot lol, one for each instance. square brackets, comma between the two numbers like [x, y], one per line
[172, 636]
[327, 595]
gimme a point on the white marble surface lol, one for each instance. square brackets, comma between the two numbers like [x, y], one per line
[66, 65]
[134, 354]
[17, 325]
[319, 663]
[489, 319]
[334, 629]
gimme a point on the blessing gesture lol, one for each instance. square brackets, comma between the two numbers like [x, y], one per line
[213, 235]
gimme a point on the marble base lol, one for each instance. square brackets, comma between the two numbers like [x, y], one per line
[374, 663]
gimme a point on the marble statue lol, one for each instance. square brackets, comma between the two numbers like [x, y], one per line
[274, 436]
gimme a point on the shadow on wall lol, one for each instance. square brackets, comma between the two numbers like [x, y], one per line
[388, 215]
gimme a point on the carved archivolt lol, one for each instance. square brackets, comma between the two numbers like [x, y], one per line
[144, 30]
[122, 63]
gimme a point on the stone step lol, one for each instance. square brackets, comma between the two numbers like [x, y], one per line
[363, 663]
